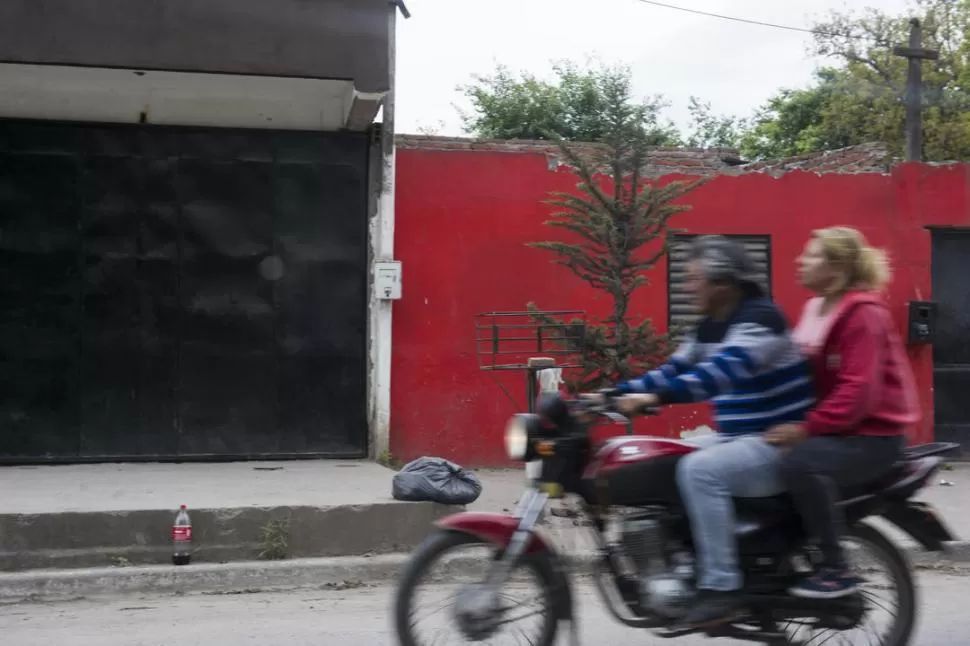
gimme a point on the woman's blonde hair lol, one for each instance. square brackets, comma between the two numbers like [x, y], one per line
[859, 266]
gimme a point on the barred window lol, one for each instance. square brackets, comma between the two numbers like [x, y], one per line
[681, 314]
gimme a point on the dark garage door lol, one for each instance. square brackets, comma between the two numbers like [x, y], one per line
[173, 293]
[951, 349]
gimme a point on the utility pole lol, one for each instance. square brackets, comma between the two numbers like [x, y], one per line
[916, 54]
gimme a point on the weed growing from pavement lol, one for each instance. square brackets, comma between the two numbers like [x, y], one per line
[385, 459]
[275, 540]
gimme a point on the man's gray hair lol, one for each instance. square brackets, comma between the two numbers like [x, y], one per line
[724, 260]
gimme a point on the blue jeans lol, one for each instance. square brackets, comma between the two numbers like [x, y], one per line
[725, 468]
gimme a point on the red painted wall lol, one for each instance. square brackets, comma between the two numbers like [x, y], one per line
[463, 219]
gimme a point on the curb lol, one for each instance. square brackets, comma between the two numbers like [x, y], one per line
[241, 575]
[339, 573]
[98, 539]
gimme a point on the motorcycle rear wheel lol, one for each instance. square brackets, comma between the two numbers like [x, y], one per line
[894, 560]
[433, 549]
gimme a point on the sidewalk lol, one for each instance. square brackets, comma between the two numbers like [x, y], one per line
[140, 486]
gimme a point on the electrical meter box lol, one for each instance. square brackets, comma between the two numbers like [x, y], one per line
[922, 322]
[387, 279]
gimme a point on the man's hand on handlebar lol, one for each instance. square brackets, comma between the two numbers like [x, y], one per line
[594, 399]
[636, 404]
[628, 405]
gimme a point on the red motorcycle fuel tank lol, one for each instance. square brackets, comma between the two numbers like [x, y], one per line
[636, 470]
[620, 452]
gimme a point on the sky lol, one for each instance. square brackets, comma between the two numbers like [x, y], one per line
[732, 65]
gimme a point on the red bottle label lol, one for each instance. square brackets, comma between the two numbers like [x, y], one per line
[182, 533]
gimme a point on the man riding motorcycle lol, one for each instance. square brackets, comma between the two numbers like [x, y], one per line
[741, 357]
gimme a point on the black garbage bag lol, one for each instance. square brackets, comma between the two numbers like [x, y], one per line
[436, 480]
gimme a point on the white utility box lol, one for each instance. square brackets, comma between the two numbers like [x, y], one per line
[387, 280]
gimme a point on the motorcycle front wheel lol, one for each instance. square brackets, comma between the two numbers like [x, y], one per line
[457, 583]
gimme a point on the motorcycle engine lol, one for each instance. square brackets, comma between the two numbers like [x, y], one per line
[666, 575]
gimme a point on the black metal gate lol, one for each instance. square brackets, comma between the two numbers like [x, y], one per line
[173, 293]
[951, 349]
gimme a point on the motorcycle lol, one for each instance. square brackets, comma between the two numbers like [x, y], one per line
[644, 563]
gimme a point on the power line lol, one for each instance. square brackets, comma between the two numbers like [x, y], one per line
[746, 21]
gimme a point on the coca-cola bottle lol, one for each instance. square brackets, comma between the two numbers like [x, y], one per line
[182, 537]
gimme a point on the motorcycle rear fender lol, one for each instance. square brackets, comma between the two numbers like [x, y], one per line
[498, 529]
[921, 521]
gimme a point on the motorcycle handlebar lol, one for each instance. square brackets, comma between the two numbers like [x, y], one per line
[608, 408]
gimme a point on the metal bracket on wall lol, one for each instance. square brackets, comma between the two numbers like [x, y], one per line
[507, 340]
[530, 342]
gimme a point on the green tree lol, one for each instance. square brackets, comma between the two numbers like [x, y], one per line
[793, 123]
[709, 130]
[575, 105]
[619, 224]
[860, 98]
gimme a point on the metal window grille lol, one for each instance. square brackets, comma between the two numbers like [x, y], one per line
[681, 314]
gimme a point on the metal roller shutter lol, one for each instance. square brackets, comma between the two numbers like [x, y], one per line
[181, 293]
[680, 310]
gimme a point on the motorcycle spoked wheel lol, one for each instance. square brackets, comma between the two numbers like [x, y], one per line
[900, 575]
[436, 547]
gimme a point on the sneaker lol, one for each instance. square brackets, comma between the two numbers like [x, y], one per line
[826, 584]
[712, 609]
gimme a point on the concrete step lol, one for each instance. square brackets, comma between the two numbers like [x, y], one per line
[142, 537]
[102, 515]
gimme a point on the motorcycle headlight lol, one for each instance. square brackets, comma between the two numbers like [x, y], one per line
[518, 433]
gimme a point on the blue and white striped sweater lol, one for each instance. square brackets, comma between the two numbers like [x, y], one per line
[748, 367]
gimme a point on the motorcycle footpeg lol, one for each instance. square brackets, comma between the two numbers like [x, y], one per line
[675, 632]
[749, 634]
[727, 628]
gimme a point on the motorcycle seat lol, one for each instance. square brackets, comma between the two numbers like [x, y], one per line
[904, 478]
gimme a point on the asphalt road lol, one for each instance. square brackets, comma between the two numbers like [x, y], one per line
[353, 617]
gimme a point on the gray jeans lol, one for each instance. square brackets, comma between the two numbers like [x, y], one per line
[725, 467]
